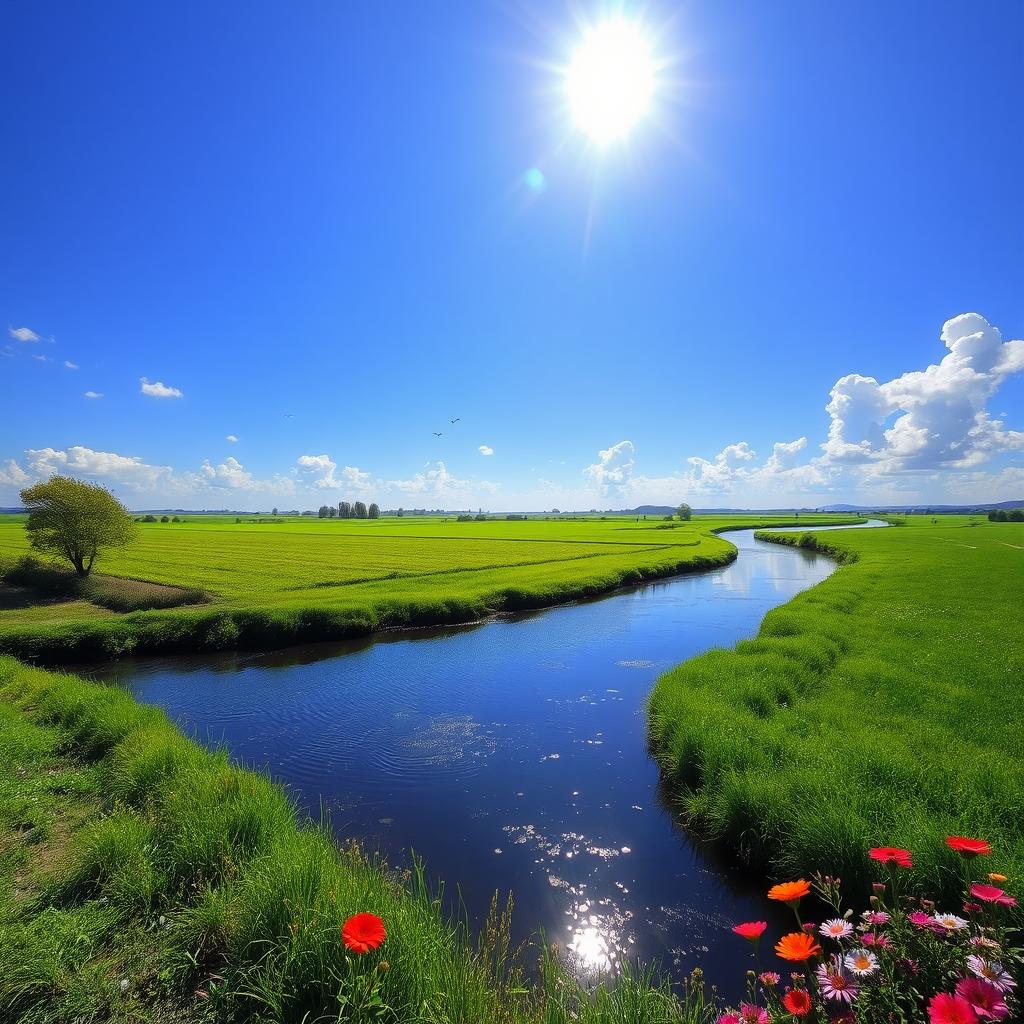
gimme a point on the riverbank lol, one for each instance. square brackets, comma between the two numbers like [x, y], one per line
[287, 583]
[879, 708]
[145, 878]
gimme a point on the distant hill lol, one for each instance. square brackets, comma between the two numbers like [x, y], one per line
[985, 506]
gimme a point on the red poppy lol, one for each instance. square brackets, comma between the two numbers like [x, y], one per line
[891, 855]
[990, 894]
[363, 932]
[968, 847]
[798, 1002]
[947, 1009]
[752, 930]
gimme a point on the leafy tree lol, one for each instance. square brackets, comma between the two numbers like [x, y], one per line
[684, 512]
[165, 519]
[344, 510]
[359, 510]
[76, 520]
[400, 513]
[373, 512]
[274, 512]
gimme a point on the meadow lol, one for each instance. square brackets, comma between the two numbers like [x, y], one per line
[272, 583]
[879, 708]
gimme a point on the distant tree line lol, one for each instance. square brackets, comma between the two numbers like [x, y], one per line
[349, 510]
[1007, 515]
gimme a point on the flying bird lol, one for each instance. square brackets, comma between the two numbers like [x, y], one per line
[289, 415]
[456, 420]
[437, 433]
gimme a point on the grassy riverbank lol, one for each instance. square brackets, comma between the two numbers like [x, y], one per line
[273, 582]
[144, 878]
[882, 707]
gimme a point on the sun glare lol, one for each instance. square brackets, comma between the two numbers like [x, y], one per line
[610, 80]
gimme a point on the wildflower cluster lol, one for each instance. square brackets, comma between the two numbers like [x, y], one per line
[901, 959]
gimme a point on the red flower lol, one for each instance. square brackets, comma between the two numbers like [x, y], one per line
[946, 1009]
[990, 894]
[986, 1000]
[363, 932]
[968, 847]
[891, 855]
[752, 930]
[798, 1002]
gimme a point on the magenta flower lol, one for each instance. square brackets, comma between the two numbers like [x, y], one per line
[986, 1000]
[750, 1014]
[876, 941]
[875, 917]
[769, 978]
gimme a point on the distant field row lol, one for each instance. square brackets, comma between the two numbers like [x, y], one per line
[365, 574]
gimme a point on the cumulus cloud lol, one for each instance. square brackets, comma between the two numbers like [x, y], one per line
[77, 460]
[12, 474]
[934, 418]
[231, 438]
[70, 365]
[436, 480]
[613, 469]
[485, 449]
[719, 473]
[25, 334]
[93, 394]
[230, 473]
[321, 471]
[157, 389]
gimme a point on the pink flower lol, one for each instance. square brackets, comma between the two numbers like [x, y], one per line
[875, 917]
[729, 1018]
[986, 1000]
[835, 983]
[876, 941]
[769, 978]
[750, 1014]
[752, 930]
[919, 919]
[947, 1009]
[991, 971]
[991, 894]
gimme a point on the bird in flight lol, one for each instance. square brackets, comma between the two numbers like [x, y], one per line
[456, 420]
[437, 433]
[289, 415]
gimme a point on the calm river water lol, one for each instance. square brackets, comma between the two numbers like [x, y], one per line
[511, 755]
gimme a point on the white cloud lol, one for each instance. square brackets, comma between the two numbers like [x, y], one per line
[25, 334]
[320, 471]
[12, 474]
[70, 365]
[934, 418]
[157, 389]
[485, 449]
[43, 359]
[77, 460]
[230, 473]
[231, 438]
[613, 469]
[93, 394]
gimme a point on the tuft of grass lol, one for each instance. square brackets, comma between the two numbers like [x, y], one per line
[877, 708]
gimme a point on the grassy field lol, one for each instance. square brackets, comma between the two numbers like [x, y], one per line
[882, 707]
[143, 878]
[272, 583]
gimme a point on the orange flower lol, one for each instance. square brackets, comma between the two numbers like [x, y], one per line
[994, 876]
[789, 892]
[797, 946]
[363, 932]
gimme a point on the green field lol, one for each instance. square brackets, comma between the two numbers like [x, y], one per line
[276, 582]
[882, 707]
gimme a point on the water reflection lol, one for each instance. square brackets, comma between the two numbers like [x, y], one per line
[511, 755]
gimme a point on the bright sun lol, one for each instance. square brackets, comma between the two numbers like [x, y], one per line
[610, 80]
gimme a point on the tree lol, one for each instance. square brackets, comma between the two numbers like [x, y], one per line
[373, 512]
[684, 512]
[400, 513]
[76, 520]
[359, 510]
[344, 510]
[274, 513]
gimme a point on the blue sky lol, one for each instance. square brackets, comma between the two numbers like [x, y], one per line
[313, 222]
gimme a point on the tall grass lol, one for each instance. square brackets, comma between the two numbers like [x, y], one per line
[236, 904]
[881, 707]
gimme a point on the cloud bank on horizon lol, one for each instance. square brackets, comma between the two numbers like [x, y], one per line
[923, 433]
